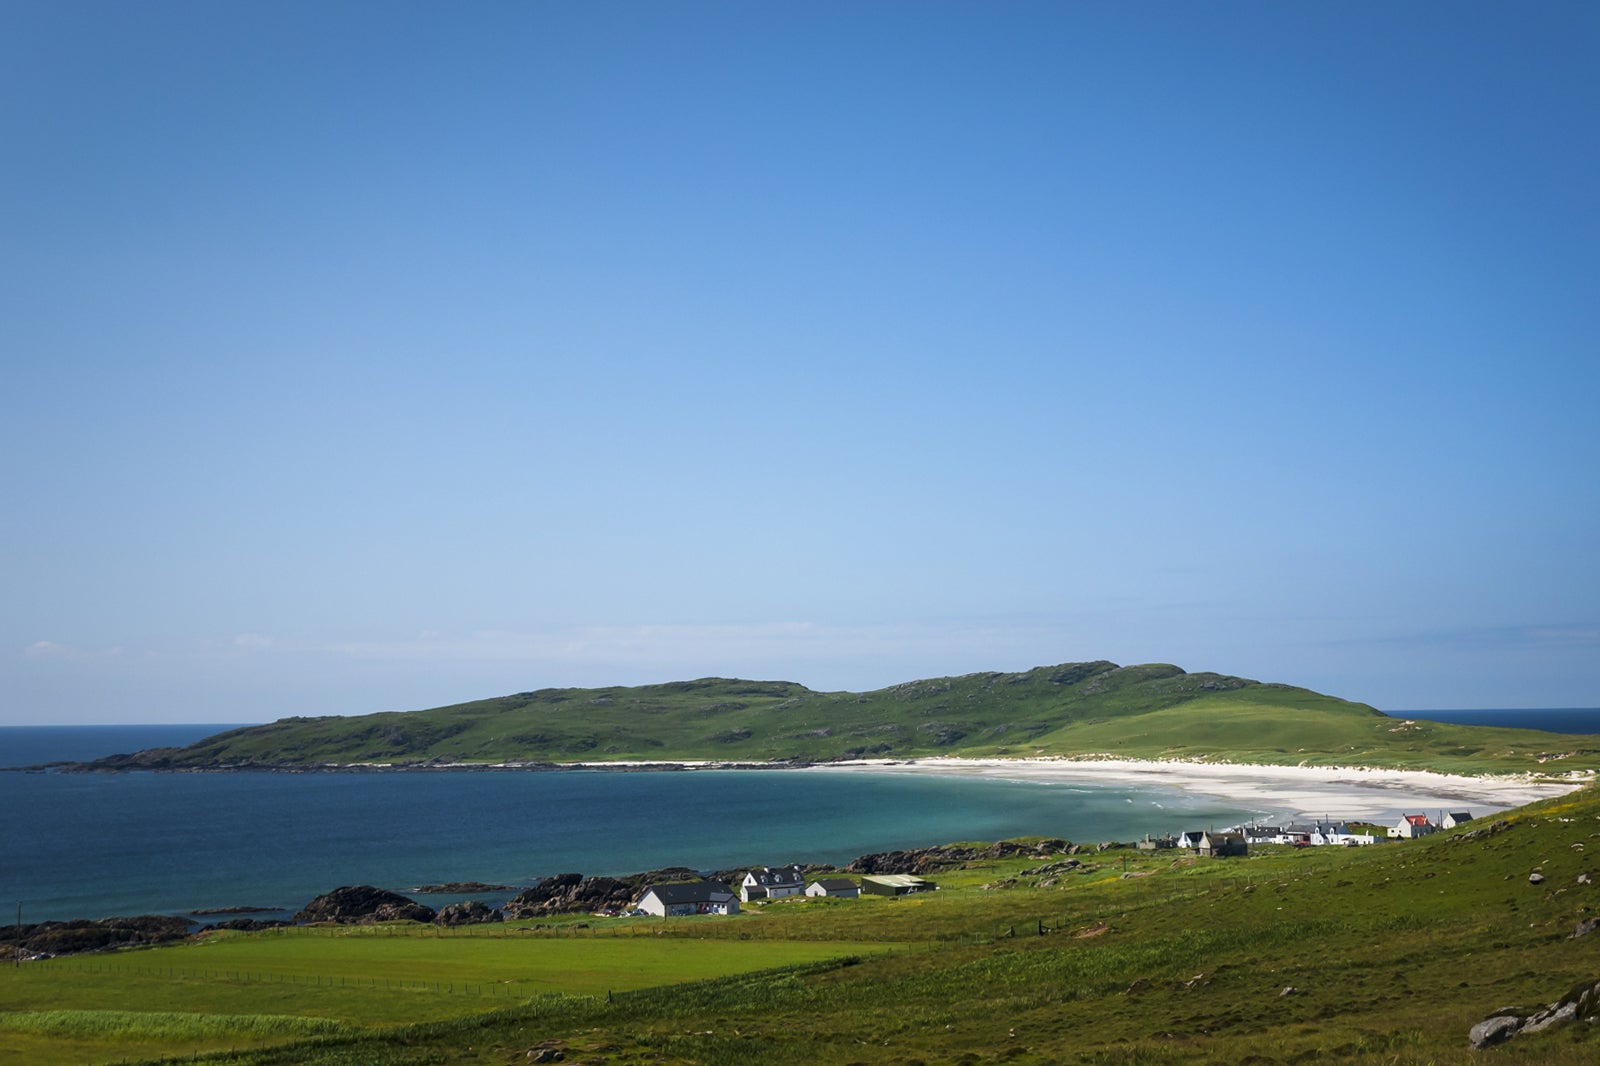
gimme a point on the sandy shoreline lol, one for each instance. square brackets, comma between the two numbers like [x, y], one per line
[1358, 793]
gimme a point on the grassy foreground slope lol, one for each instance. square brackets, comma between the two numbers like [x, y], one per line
[1386, 954]
[1149, 711]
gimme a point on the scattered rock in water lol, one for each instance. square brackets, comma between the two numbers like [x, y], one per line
[455, 887]
[208, 911]
[363, 905]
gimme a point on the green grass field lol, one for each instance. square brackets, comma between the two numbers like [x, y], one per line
[240, 990]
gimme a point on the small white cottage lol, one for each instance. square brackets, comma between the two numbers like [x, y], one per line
[1413, 825]
[838, 887]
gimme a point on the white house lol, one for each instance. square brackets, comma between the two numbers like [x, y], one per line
[1455, 818]
[1316, 834]
[770, 883]
[840, 887]
[688, 897]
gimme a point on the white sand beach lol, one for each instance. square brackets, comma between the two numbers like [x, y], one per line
[1356, 793]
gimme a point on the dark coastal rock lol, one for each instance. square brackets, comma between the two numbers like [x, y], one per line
[408, 911]
[577, 894]
[467, 912]
[248, 925]
[951, 856]
[46, 939]
[568, 894]
[363, 905]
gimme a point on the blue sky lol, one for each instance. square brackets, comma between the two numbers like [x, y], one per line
[364, 357]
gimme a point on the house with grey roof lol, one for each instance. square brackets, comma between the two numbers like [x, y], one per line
[679, 898]
[1221, 843]
[769, 882]
[838, 887]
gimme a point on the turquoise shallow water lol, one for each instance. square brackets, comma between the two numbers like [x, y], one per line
[92, 845]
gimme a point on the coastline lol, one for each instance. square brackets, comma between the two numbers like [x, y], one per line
[1296, 791]
[1345, 792]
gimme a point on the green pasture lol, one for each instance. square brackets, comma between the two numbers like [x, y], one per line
[238, 990]
[1262, 725]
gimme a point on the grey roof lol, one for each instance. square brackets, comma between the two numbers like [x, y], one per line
[836, 884]
[688, 891]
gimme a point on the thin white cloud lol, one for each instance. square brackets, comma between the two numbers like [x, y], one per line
[50, 649]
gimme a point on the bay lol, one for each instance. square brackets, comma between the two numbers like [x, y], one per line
[94, 845]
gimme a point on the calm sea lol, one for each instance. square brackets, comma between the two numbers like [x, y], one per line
[1553, 720]
[92, 845]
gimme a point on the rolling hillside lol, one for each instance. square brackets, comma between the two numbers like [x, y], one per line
[1148, 711]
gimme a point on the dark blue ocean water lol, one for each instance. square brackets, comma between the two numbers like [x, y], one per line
[92, 845]
[30, 745]
[1584, 720]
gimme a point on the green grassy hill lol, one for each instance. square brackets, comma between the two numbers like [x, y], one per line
[1148, 711]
